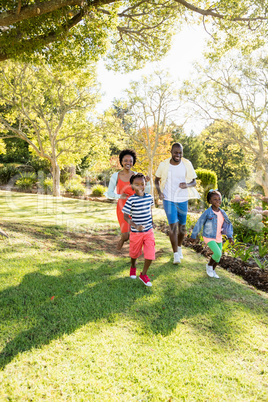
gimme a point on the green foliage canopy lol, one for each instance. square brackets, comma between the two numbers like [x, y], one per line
[111, 139]
[193, 148]
[16, 150]
[152, 105]
[131, 32]
[2, 147]
[235, 89]
[231, 163]
[50, 110]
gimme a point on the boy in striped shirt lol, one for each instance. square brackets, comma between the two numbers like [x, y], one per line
[138, 213]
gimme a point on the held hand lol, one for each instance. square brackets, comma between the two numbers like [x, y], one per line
[147, 178]
[231, 241]
[123, 196]
[140, 228]
[183, 185]
[154, 225]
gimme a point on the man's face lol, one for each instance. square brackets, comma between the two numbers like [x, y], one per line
[176, 154]
[138, 186]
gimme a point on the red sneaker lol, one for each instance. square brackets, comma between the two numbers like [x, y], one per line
[145, 280]
[132, 273]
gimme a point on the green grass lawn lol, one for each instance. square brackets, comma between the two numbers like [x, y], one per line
[75, 327]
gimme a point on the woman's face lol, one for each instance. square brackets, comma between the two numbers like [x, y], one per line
[127, 162]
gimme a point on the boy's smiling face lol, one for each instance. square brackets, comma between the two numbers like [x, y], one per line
[138, 186]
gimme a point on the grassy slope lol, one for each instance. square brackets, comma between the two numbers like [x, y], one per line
[74, 327]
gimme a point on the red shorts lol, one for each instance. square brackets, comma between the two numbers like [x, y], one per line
[139, 240]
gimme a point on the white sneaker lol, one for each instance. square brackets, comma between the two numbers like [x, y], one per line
[215, 275]
[176, 258]
[180, 253]
[210, 271]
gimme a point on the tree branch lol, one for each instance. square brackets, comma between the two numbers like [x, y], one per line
[20, 134]
[50, 37]
[41, 8]
[211, 13]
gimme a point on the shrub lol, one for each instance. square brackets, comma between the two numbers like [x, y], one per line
[197, 203]
[75, 186]
[98, 190]
[76, 189]
[208, 180]
[6, 173]
[26, 181]
[247, 222]
[66, 175]
[47, 185]
[191, 221]
[40, 164]
[241, 206]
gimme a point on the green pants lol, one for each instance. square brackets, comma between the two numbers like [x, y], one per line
[216, 248]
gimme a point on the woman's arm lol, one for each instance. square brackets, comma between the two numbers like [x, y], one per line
[111, 192]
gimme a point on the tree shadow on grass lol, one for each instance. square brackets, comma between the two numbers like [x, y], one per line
[206, 304]
[48, 305]
[60, 238]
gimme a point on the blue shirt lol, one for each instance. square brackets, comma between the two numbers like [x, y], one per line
[139, 209]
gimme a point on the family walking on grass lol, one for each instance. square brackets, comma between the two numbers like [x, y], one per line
[175, 181]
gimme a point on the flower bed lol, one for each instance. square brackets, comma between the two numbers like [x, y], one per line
[248, 270]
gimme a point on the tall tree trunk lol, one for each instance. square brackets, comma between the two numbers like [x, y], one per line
[56, 179]
[265, 183]
[262, 180]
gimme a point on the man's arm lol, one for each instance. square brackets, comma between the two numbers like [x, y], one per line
[191, 184]
[157, 186]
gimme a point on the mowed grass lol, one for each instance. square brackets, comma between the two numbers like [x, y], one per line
[75, 327]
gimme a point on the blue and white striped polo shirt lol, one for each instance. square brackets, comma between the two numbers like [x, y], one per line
[139, 209]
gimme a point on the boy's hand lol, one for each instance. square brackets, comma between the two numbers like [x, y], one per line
[140, 228]
[231, 240]
[123, 196]
[154, 225]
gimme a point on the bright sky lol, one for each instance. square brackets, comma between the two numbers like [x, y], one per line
[187, 48]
